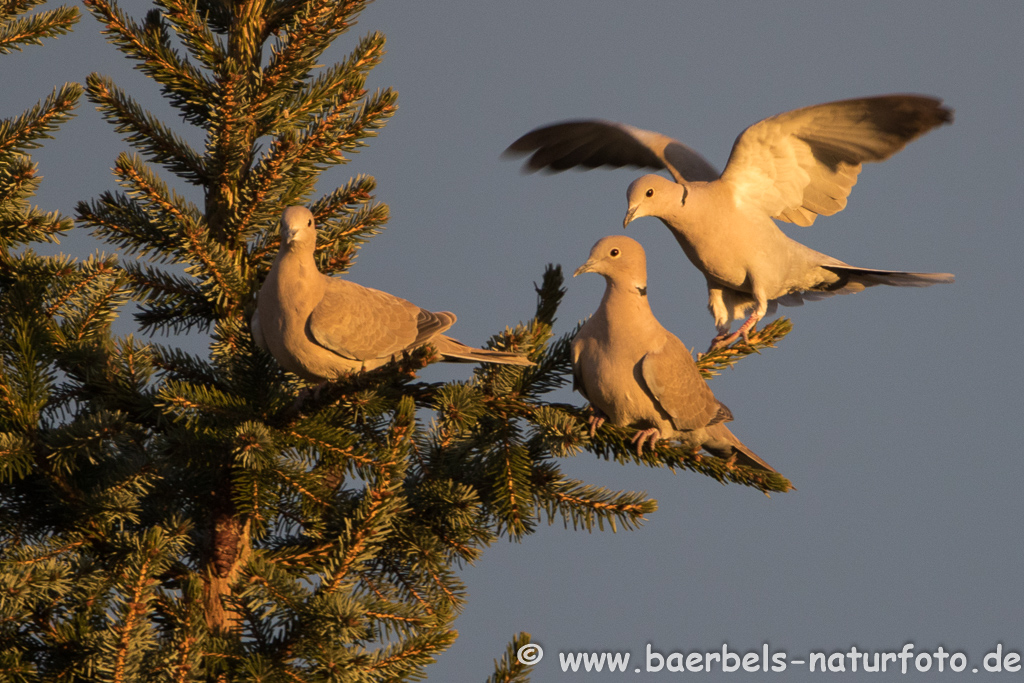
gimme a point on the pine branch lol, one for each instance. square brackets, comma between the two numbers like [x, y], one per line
[553, 369]
[372, 525]
[230, 151]
[427, 563]
[306, 154]
[199, 407]
[123, 222]
[24, 132]
[28, 379]
[15, 33]
[30, 225]
[614, 443]
[171, 303]
[149, 555]
[459, 407]
[363, 395]
[550, 293]
[309, 33]
[508, 467]
[557, 430]
[404, 661]
[219, 17]
[145, 132]
[184, 641]
[394, 619]
[337, 131]
[153, 194]
[87, 300]
[168, 226]
[584, 505]
[184, 366]
[314, 435]
[510, 669]
[451, 513]
[195, 33]
[338, 87]
[85, 441]
[710, 364]
[16, 453]
[18, 182]
[184, 86]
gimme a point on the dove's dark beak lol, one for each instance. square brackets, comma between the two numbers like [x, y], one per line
[629, 217]
[585, 268]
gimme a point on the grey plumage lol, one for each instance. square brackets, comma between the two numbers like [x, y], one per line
[320, 327]
[592, 144]
[791, 167]
[636, 373]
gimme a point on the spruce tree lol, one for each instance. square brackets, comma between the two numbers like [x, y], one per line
[205, 517]
[55, 312]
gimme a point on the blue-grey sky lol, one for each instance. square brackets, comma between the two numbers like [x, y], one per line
[895, 412]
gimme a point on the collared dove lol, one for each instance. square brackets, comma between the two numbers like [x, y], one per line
[320, 327]
[790, 167]
[636, 373]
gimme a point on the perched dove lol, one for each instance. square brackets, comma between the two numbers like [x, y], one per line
[320, 327]
[790, 167]
[634, 372]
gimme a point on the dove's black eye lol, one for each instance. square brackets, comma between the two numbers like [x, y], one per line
[309, 223]
[614, 252]
[650, 193]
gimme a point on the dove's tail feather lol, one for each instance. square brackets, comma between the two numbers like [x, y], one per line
[853, 279]
[455, 351]
[869, 277]
[723, 443]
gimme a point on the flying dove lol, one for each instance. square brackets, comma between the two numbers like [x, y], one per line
[320, 327]
[790, 167]
[636, 373]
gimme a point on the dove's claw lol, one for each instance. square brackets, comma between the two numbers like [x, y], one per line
[724, 339]
[595, 420]
[650, 436]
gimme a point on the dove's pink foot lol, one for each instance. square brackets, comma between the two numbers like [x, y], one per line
[724, 339]
[597, 419]
[649, 436]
